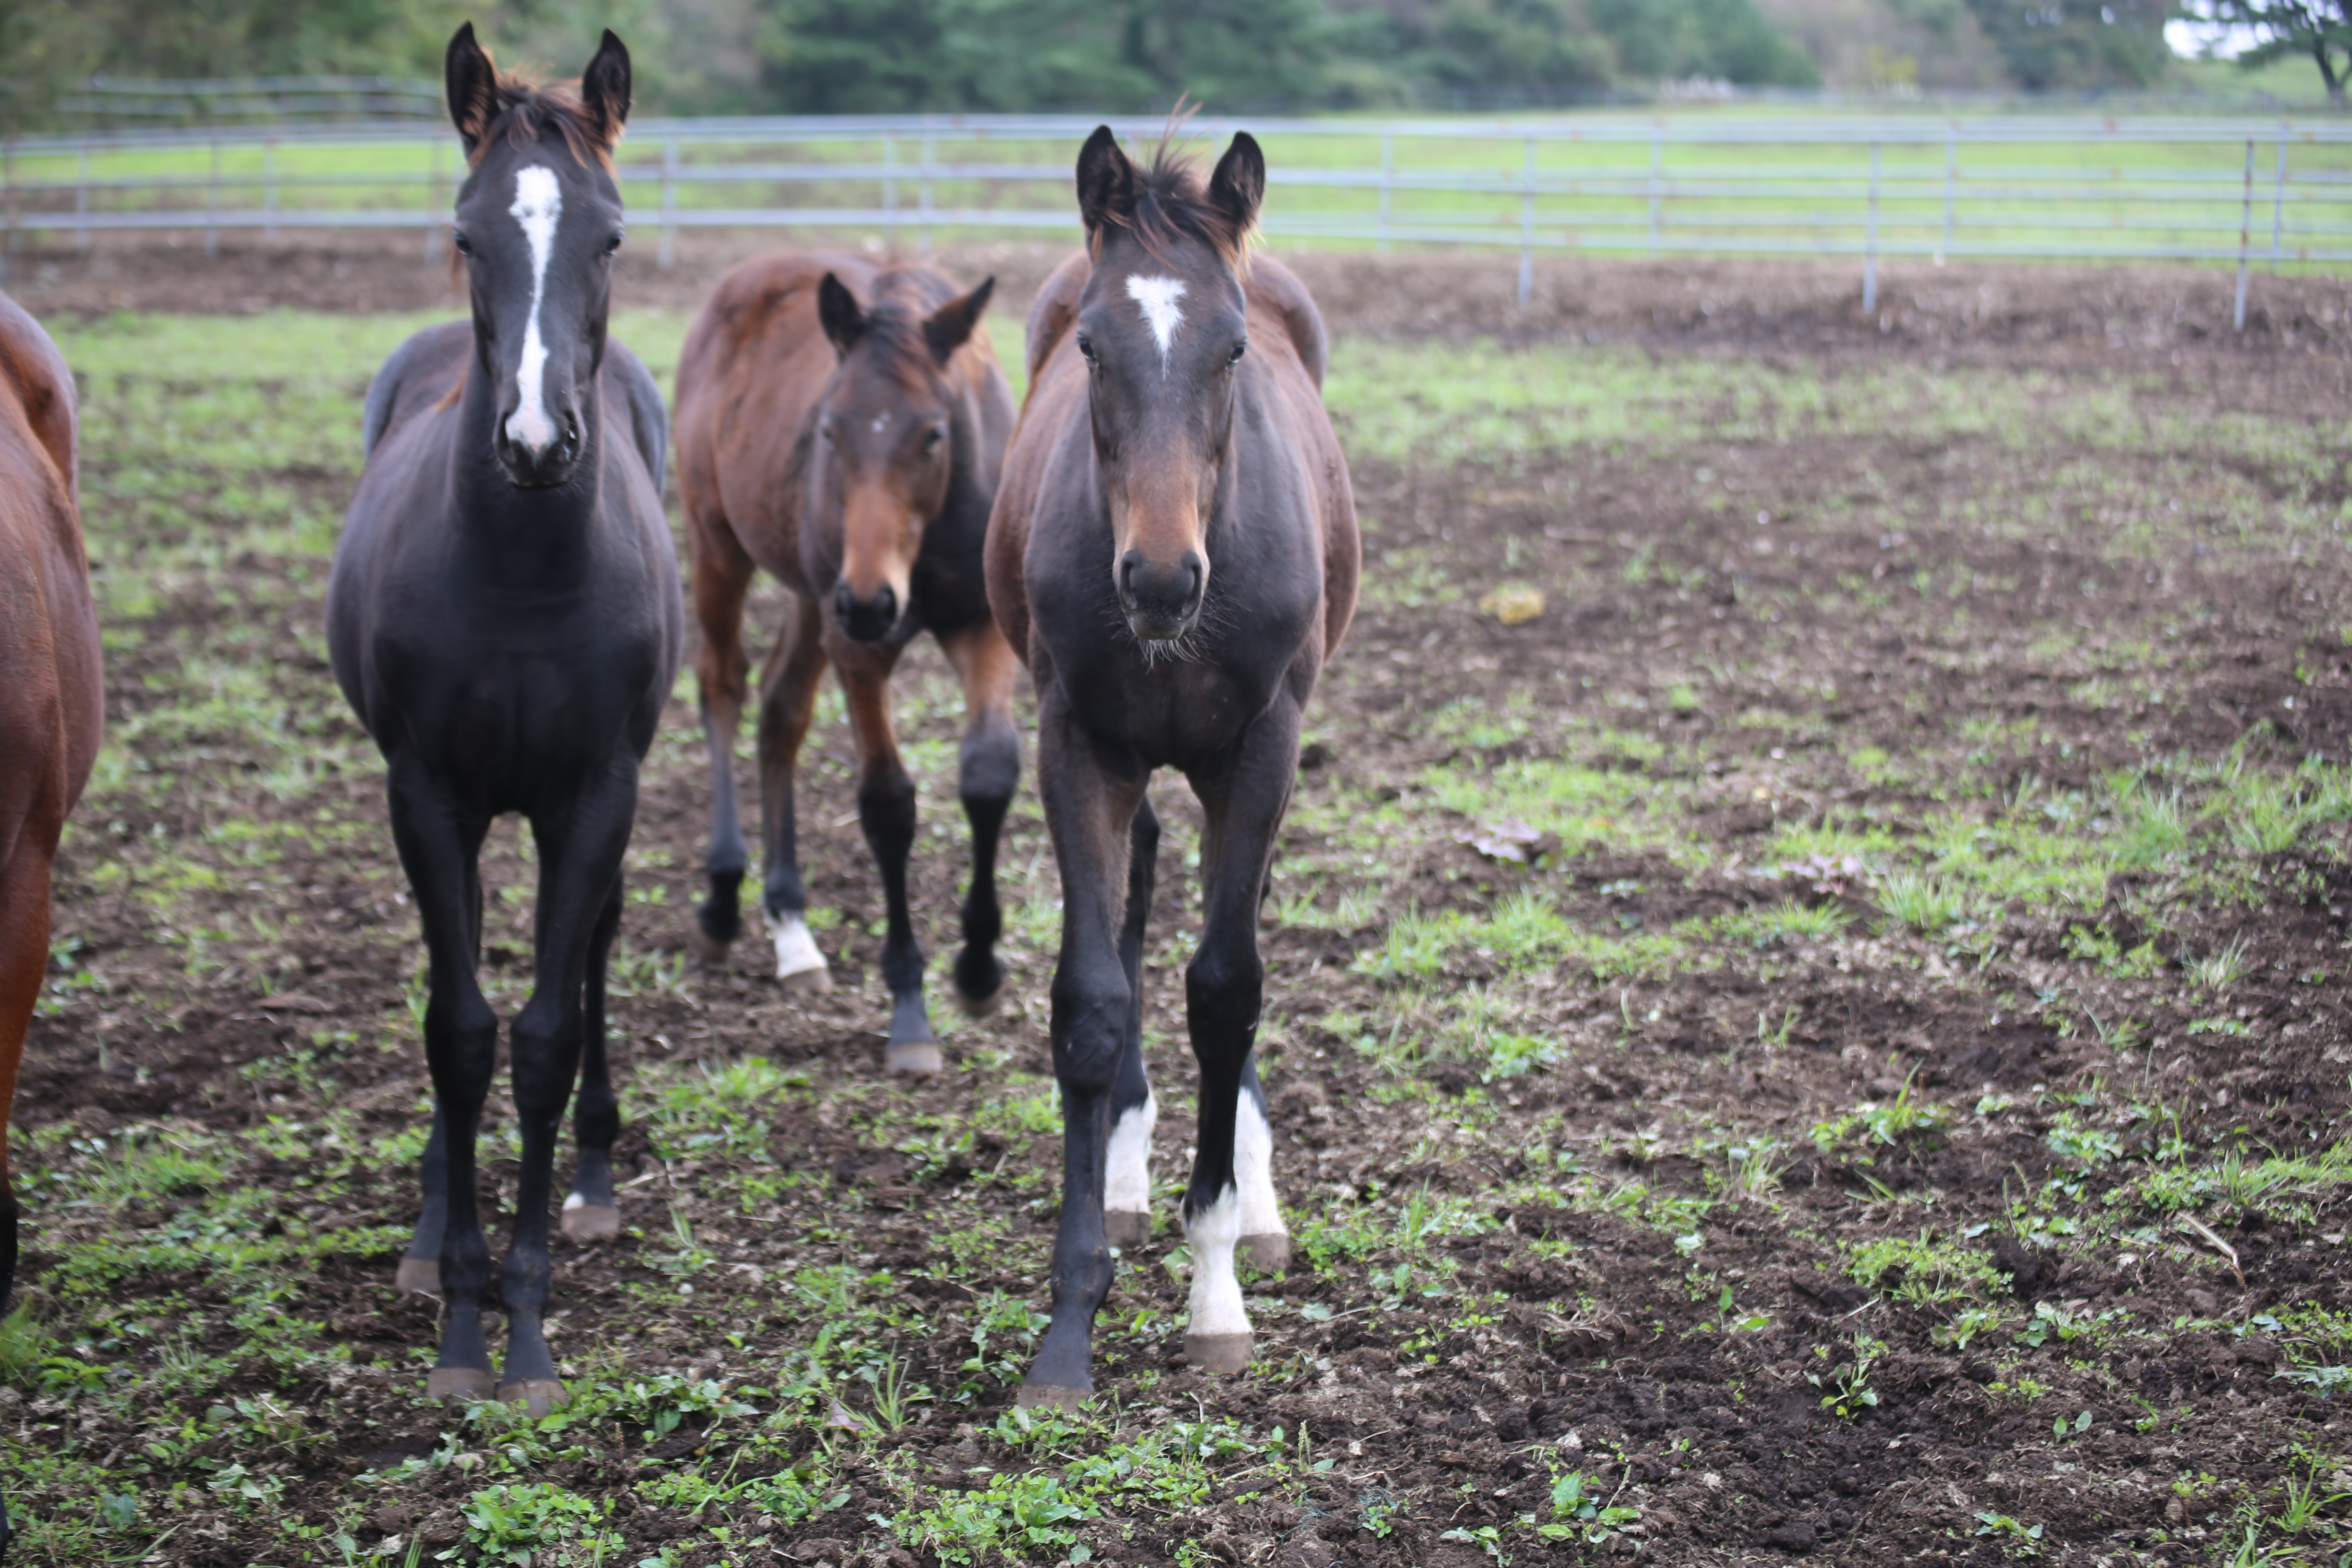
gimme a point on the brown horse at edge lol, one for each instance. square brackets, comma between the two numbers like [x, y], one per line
[841, 425]
[51, 696]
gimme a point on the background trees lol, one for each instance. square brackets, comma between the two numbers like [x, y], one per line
[819, 55]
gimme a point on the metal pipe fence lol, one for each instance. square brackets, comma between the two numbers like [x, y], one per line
[1869, 187]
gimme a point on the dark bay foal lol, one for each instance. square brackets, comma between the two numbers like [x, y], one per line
[841, 426]
[1174, 552]
[505, 618]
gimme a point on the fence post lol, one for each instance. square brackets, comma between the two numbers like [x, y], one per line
[1528, 228]
[211, 203]
[2278, 205]
[1869, 246]
[81, 197]
[1657, 192]
[667, 256]
[9, 185]
[270, 191]
[889, 191]
[923, 196]
[1951, 184]
[1387, 184]
[2245, 236]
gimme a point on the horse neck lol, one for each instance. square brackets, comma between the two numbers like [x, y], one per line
[523, 539]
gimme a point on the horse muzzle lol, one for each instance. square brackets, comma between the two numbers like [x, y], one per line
[1161, 600]
[541, 468]
[869, 619]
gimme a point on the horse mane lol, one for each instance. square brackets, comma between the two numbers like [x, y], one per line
[1171, 204]
[525, 112]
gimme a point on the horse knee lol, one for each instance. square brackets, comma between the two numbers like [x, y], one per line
[1223, 985]
[886, 809]
[1090, 1012]
[988, 769]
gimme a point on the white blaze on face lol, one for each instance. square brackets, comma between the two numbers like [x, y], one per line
[1157, 296]
[1126, 1185]
[538, 204]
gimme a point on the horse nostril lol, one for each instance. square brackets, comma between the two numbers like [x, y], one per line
[844, 601]
[1127, 565]
[886, 605]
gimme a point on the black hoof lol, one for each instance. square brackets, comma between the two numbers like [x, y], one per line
[1051, 1396]
[979, 984]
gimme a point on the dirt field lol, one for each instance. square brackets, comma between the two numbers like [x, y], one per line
[1828, 1040]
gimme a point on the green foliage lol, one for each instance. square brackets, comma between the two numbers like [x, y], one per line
[1923, 1269]
[517, 1523]
[1580, 1514]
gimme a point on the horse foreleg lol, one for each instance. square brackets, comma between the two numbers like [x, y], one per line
[788, 687]
[722, 578]
[886, 810]
[1230, 1200]
[988, 772]
[1091, 803]
[1126, 1189]
[590, 1211]
[580, 850]
[438, 849]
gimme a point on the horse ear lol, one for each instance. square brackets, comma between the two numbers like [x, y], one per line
[472, 78]
[837, 306]
[949, 327]
[604, 88]
[1238, 186]
[1105, 183]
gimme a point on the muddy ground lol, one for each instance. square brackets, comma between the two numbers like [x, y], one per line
[1690, 1375]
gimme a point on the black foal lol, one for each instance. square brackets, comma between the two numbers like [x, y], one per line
[505, 617]
[1173, 550]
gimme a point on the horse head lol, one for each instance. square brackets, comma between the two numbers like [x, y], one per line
[538, 222]
[1162, 327]
[886, 445]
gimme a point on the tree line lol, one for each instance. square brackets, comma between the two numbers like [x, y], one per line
[743, 56]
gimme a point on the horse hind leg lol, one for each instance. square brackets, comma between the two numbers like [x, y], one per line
[591, 1211]
[1127, 1183]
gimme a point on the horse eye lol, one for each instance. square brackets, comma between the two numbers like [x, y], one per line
[612, 245]
[1087, 347]
[1239, 349]
[465, 247]
[824, 432]
[933, 437]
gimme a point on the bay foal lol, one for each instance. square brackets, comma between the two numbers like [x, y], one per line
[505, 618]
[842, 426]
[51, 698]
[1174, 552]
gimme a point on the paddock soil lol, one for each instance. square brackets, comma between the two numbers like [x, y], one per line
[1798, 1214]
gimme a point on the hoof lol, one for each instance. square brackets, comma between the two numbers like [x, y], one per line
[917, 1058]
[707, 950]
[1125, 1228]
[594, 1222]
[1047, 1397]
[537, 1396]
[460, 1382]
[978, 1006]
[817, 981]
[422, 1275]
[1268, 1252]
[1223, 1353]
